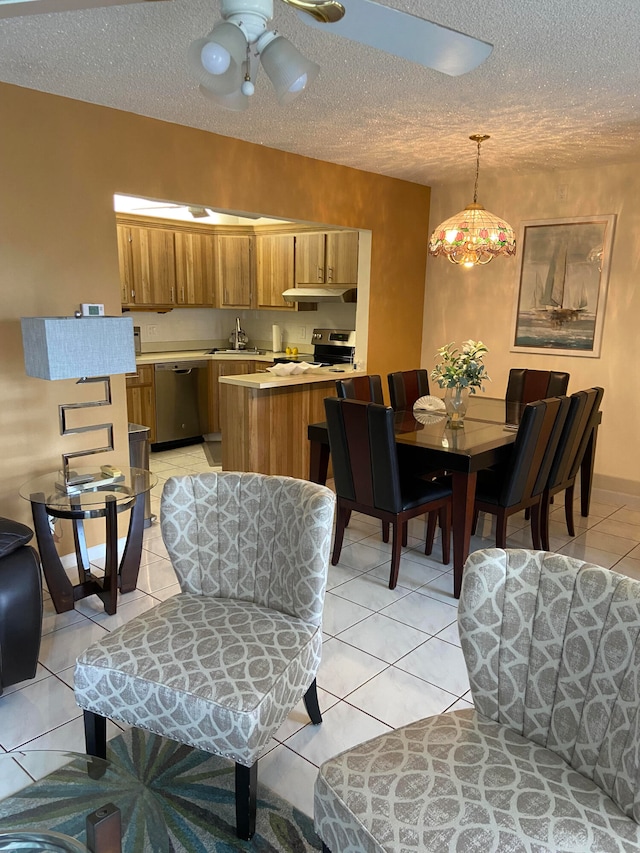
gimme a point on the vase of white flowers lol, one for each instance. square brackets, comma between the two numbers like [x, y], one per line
[460, 372]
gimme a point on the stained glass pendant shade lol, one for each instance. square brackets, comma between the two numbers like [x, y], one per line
[473, 236]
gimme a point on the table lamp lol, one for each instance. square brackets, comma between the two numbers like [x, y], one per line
[89, 349]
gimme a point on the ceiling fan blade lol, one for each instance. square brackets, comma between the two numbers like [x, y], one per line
[407, 36]
[324, 11]
[17, 8]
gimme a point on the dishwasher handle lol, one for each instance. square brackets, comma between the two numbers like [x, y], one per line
[181, 368]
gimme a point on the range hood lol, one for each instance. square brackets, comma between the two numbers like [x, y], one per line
[315, 293]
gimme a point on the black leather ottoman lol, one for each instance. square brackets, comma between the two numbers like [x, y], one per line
[20, 604]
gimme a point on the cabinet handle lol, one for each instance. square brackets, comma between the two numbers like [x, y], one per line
[320, 274]
[330, 276]
[133, 293]
[182, 294]
[172, 296]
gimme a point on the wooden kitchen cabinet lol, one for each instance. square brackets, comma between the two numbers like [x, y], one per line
[195, 269]
[234, 271]
[274, 270]
[141, 398]
[147, 265]
[341, 257]
[326, 258]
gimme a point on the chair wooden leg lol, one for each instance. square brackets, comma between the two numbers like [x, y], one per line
[544, 522]
[95, 734]
[405, 534]
[312, 705]
[501, 528]
[432, 520]
[246, 788]
[445, 526]
[568, 510]
[476, 513]
[396, 550]
[385, 531]
[535, 527]
[341, 521]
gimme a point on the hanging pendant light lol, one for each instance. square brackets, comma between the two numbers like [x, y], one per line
[473, 236]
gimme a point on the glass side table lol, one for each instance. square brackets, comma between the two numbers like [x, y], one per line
[99, 497]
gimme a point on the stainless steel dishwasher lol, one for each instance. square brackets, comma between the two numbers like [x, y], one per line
[180, 388]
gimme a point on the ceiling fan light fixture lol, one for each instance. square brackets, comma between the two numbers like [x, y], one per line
[474, 236]
[289, 71]
[216, 60]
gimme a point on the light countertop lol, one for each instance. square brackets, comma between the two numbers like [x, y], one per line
[263, 381]
[199, 355]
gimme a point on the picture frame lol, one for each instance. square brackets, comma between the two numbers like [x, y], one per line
[562, 285]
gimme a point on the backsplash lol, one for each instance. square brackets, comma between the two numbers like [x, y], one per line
[202, 328]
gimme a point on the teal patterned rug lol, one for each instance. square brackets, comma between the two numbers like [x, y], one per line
[172, 798]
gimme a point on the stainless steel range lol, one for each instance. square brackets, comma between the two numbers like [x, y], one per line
[330, 346]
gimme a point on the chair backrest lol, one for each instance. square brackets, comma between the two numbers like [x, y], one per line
[407, 386]
[363, 452]
[252, 537]
[366, 388]
[527, 386]
[581, 405]
[552, 646]
[593, 419]
[527, 470]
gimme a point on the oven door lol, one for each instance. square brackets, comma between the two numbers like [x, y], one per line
[330, 355]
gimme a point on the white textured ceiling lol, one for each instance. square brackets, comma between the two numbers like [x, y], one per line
[560, 89]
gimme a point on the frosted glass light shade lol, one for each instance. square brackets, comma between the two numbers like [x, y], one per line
[286, 67]
[473, 236]
[231, 42]
[71, 348]
[235, 101]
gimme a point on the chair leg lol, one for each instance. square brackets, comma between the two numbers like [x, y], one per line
[312, 705]
[568, 510]
[501, 528]
[445, 526]
[325, 849]
[544, 522]
[341, 521]
[246, 788]
[95, 734]
[432, 520]
[405, 534]
[396, 549]
[535, 527]
[476, 513]
[385, 531]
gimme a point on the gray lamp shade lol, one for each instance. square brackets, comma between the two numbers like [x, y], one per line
[76, 347]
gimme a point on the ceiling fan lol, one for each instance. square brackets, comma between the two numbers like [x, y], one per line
[226, 61]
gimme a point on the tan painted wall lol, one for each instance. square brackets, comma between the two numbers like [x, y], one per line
[61, 162]
[479, 303]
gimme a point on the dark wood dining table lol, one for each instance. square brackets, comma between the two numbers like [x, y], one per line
[430, 445]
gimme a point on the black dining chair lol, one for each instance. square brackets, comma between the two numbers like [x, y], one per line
[584, 409]
[366, 388]
[407, 386]
[368, 479]
[526, 386]
[519, 483]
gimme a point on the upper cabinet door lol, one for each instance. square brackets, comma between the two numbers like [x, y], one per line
[234, 271]
[310, 258]
[154, 275]
[274, 270]
[125, 265]
[341, 256]
[195, 269]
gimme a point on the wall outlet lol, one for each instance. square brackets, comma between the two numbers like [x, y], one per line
[563, 192]
[152, 331]
[302, 333]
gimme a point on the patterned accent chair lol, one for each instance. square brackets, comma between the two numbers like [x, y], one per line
[220, 665]
[549, 758]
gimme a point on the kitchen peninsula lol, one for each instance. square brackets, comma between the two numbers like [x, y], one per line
[264, 419]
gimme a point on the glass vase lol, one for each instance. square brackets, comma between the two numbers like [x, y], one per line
[455, 401]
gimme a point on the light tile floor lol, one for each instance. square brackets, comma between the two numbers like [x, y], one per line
[389, 657]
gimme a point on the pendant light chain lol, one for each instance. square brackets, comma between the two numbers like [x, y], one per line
[475, 188]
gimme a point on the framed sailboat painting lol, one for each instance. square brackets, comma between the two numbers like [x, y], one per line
[562, 287]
